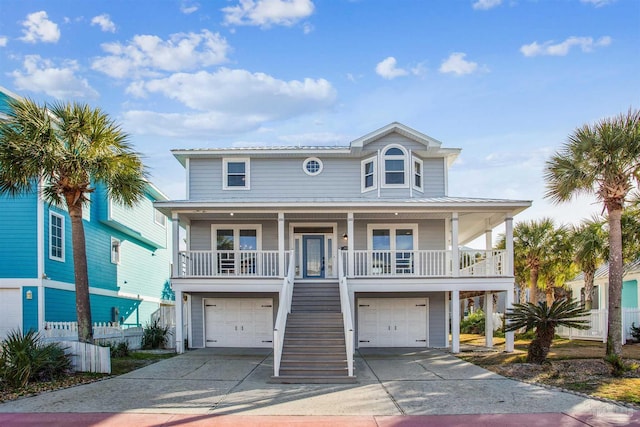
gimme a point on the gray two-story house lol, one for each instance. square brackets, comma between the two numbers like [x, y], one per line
[317, 251]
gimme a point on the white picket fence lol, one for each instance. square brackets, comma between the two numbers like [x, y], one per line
[598, 326]
[103, 332]
[88, 357]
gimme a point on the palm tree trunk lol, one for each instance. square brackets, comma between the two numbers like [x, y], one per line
[549, 293]
[533, 286]
[588, 289]
[540, 346]
[614, 334]
[83, 306]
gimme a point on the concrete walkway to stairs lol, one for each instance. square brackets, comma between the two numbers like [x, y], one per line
[231, 387]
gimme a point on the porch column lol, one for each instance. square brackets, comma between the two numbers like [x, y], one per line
[488, 319]
[447, 316]
[281, 256]
[455, 321]
[455, 254]
[488, 244]
[179, 314]
[175, 239]
[350, 244]
[508, 225]
[509, 336]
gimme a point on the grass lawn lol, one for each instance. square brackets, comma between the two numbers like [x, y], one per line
[574, 365]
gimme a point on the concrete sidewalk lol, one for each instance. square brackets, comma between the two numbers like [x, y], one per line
[230, 386]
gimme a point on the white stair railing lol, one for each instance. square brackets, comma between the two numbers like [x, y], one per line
[345, 308]
[286, 293]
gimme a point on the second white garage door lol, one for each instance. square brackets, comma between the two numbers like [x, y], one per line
[393, 322]
[238, 322]
[11, 311]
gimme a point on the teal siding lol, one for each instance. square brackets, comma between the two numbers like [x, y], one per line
[630, 294]
[19, 247]
[30, 308]
[61, 271]
[4, 105]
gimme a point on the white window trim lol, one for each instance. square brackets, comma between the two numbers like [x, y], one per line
[415, 160]
[383, 172]
[155, 212]
[363, 164]
[310, 159]
[247, 173]
[392, 229]
[61, 217]
[115, 261]
[236, 234]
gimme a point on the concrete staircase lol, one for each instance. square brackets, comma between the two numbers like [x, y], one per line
[314, 350]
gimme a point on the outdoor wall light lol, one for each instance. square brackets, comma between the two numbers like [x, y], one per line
[345, 237]
[29, 295]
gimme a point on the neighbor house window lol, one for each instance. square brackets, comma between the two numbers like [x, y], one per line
[56, 237]
[235, 174]
[394, 161]
[115, 251]
[159, 218]
[417, 174]
[312, 166]
[368, 171]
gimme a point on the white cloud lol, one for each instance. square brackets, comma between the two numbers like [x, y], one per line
[3, 41]
[598, 3]
[307, 28]
[105, 23]
[387, 68]
[38, 27]
[486, 4]
[146, 54]
[456, 64]
[41, 75]
[265, 13]
[586, 44]
[188, 7]
[228, 101]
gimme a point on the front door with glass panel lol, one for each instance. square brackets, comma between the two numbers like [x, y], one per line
[392, 251]
[313, 257]
[236, 251]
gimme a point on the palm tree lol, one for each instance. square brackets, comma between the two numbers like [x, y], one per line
[602, 159]
[556, 266]
[63, 151]
[589, 242]
[544, 318]
[531, 240]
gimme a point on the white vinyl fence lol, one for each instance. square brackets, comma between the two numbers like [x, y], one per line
[598, 326]
[103, 332]
[88, 357]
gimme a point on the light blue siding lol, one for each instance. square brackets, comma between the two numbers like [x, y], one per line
[19, 248]
[139, 221]
[30, 308]
[630, 294]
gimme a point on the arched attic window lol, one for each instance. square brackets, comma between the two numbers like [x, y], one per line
[395, 166]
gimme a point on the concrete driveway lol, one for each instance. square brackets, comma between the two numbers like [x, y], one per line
[236, 382]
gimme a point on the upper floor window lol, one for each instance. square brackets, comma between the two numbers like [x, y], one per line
[417, 174]
[312, 166]
[115, 251]
[235, 174]
[395, 166]
[159, 218]
[56, 237]
[368, 170]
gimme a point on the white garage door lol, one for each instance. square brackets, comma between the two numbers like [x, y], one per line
[393, 322]
[238, 322]
[10, 311]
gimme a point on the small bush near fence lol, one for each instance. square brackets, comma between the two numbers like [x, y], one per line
[473, 323]
[635, 332]
[120, 349]
[24, 358]
[154, 336]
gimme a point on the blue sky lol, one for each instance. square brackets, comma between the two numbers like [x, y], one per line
[504, 80]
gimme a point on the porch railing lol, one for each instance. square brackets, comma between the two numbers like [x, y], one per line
[284, 309]
[345, 308]
[427, 263]
[229, 264]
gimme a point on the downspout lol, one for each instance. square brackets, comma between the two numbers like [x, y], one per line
[40, 258]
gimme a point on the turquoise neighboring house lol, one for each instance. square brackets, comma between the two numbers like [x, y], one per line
[128, 255]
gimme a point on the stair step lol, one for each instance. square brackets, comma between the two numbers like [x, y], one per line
[303, 379]
[314, 335]
[313, 355]
[312, 349]
[322, 364]
[315, 372]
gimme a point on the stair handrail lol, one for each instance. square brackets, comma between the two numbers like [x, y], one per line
[284, 308]
[345, 308]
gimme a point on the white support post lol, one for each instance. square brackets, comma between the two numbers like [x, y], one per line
[508, 225]
[488, 319]
[179, 323]
[281, 256]
[455, 321]
[175, 244]
[488, 244]
[509, 336]
[350, 244]
[447, 314]
[455, 254]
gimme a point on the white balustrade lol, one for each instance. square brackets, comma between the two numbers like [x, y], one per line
[229, 263]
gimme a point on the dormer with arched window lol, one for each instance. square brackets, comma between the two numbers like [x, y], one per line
[394, 166]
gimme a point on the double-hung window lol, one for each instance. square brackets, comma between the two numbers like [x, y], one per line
[369, 174]
[417, 174]
[235, 174]
[56, 236]
[115, 251]
[395, 167]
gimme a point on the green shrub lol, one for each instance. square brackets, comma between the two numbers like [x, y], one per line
[154, 335]
[117, 350]
[473, 323]
[24, 358]
[635, 332]
[618, 367]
